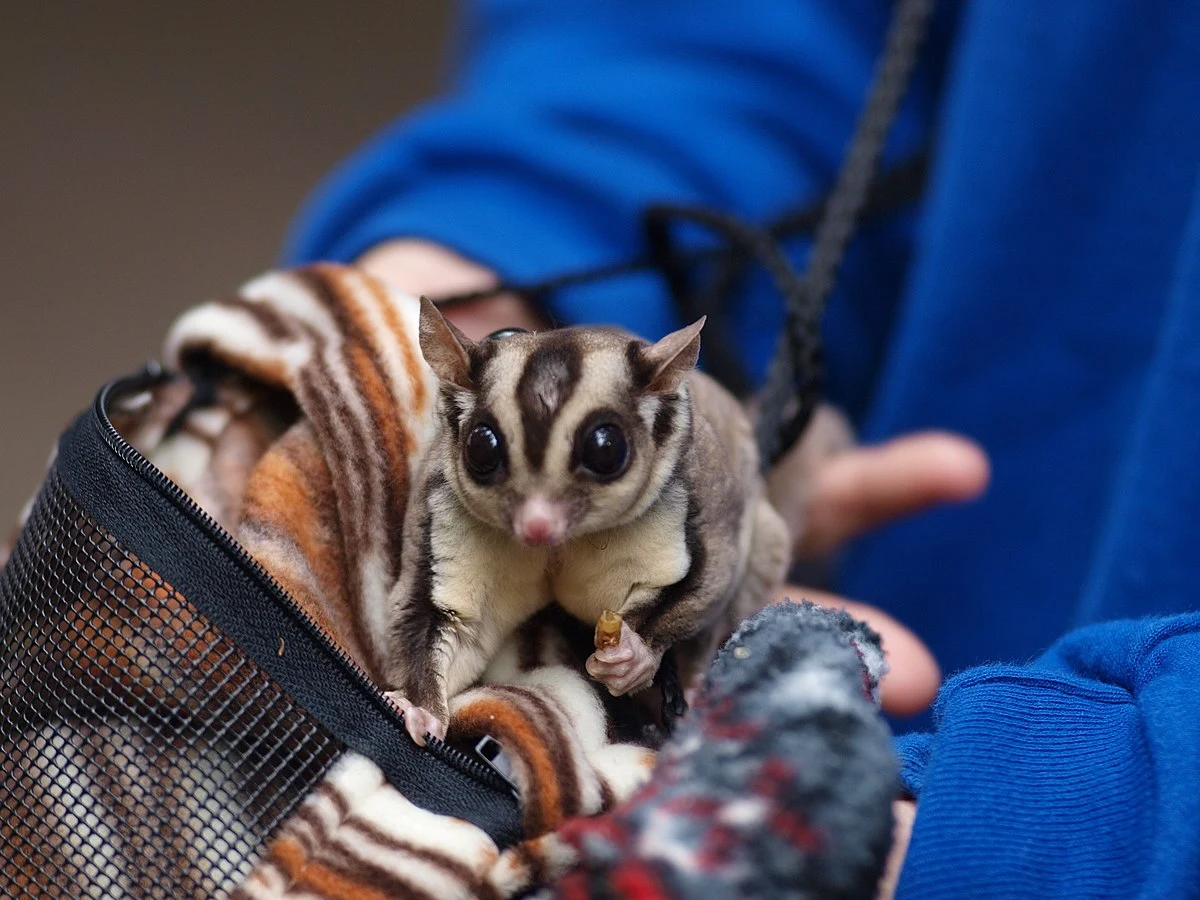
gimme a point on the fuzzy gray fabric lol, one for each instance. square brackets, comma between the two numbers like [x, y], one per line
[779, 783]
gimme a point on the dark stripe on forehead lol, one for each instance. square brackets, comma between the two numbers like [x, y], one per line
[546, 384]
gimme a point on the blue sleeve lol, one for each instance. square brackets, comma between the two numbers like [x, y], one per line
[1075, 776]
[567, 117]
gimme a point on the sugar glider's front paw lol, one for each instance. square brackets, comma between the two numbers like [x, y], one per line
[418, 721]
[627, 667]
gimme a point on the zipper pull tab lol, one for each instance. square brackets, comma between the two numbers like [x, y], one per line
[491, 752]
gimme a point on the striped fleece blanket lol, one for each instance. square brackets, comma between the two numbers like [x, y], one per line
[299, 427]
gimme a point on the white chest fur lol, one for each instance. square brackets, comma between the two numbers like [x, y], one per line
[491, 582]
[487, 579]
[609, 569]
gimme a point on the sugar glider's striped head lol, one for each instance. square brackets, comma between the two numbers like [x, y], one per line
[559, 434]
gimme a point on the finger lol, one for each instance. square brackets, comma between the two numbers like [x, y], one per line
[867, 486]
[416, 725]
[480, 318]
[628, 684]
[913, 675]
[600, 668]
[423, 267]
[436, 727]
[614, 654]
[904, 813]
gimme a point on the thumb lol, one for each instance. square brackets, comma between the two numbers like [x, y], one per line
[863, 487]
[913, 675]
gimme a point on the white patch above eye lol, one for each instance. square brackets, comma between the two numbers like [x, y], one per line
[463, 402]
[647, 408]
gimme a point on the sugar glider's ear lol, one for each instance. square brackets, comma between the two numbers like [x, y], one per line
[668, 362]
[445, 348]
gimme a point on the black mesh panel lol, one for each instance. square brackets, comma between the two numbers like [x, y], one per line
[141, 753]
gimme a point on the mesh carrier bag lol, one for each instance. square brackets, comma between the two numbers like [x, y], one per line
[164, 705]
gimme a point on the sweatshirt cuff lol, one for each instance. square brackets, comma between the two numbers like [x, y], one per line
[1028, 776]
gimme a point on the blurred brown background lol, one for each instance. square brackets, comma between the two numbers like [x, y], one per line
[151, 155]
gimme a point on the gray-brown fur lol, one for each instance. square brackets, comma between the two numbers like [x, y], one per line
[680, 540]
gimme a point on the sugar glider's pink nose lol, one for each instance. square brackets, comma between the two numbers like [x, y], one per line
[540, 522]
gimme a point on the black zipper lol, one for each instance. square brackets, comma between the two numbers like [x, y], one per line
[149, 378]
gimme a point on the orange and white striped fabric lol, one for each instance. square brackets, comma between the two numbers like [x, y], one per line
[317, 408]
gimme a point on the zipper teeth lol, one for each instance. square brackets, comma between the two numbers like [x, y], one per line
[132, 457]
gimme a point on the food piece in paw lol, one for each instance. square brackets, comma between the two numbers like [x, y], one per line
[608, 630]
[627, 667]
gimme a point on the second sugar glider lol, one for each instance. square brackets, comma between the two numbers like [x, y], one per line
[582, 466]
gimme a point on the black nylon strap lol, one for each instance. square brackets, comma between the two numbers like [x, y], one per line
[893, 190]
[795, 381]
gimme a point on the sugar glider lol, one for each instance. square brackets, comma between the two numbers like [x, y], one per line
[587, 467]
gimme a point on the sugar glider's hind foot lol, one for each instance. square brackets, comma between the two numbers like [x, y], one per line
[417, 720]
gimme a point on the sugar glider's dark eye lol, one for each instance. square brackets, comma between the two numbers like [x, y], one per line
[503, 333]
[604, 451]
[483, 452]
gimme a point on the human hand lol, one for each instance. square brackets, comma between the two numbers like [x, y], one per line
[904, 813]
[422, 267]
[859, 488]
[863, 487]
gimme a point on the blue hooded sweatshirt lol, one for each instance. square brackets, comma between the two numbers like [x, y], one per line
[1042, 297]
